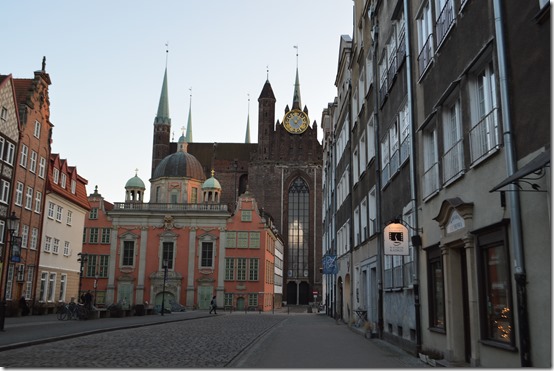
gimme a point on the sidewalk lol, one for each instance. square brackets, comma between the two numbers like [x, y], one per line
[36, 329]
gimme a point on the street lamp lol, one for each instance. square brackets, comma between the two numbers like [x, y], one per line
[83, 257]
[163, 290]
[95, 287]
[15, 257]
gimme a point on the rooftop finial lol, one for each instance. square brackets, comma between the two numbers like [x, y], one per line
[166, 53]
[44, 64]
[296, 47]
[136, 171]
[267, 72]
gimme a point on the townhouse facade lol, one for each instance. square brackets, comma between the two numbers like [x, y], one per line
[460, 159]
[97, 237]
[28, 153]
[250, 252]
[9, 138]
[66, 208]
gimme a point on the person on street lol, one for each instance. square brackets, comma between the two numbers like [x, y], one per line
[213, 306]
[88, 300]
[23, 306]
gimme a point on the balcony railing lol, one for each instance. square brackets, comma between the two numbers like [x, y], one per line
[394, 162]
[484, 137]
[383, 90]
[431, 180]
[445, 21]
[453, 161]
[401, 50]
[405, 149]
[391, 72]
[132, 206]
[425, 54]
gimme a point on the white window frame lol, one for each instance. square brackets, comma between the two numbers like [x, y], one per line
[24, 155]
[36, 133]
[47, 244]
[19, 194]
[42, 167]
[453, 149]
[4, 191]
[33, 162]
[34, 238]
[10, 153]
[59, 213]
[29, 198]
[56, 175]
[431, 177]
[38, 202]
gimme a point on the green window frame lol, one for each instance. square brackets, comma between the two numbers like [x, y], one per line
[254, 240]
[106, 234]
[229, 269]
[254, 269]
[93, 236]
[231, 240]
[242, 240]
[246, 216]
[241, 269]
[252, 300]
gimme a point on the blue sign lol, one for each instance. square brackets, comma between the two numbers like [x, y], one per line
[330, 264]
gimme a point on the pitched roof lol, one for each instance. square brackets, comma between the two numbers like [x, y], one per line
[80, 196]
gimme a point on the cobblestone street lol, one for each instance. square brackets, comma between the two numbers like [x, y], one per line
[203, 342]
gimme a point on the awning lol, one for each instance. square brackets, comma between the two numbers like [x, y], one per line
[532, 166]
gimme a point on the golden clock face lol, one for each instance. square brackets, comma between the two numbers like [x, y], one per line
[295, 121]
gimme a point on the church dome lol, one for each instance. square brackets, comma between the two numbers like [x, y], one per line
[135, 182]
[211, 183]
[178, 165]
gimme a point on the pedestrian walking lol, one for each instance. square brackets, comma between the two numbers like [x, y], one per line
[88, 300]
[23, 306]
[213, 305]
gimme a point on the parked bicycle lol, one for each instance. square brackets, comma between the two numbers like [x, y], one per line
[72, 311]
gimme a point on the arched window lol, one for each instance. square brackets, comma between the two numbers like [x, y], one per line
[298, 229]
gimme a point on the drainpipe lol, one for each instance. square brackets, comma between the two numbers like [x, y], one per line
[515, 211]
[413, 191]
[375, 36]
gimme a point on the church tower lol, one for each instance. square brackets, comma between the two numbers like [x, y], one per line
[266, 119]
[162, 127]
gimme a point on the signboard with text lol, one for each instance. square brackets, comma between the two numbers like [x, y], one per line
[396, 240]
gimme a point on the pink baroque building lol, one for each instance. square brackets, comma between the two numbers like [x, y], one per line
[171, 249]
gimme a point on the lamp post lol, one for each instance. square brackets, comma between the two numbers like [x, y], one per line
[95, 287]
[83, 257]
[12, 226]
[163, 290]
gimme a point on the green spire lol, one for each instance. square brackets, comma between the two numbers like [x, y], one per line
[296, 100]
[189, 123]
[163, 107]
[247, 138]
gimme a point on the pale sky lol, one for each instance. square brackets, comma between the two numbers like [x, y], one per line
[106, 60]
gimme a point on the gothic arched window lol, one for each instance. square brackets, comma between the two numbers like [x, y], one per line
[298, 229]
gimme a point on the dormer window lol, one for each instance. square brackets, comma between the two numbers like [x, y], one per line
[56, 176]
[64, 180]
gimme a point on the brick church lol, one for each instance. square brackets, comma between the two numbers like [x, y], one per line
[282, 171]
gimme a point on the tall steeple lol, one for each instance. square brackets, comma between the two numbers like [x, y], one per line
[296, 100]
[247, 138]
[162, 125]
[189, 123]
[163, 106]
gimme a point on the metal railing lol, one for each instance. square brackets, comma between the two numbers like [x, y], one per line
[431, 180]
[425, 54]
[484, 136]
[445, 21]
[132, 206]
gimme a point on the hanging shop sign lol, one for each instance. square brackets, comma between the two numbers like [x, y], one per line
[396, 239]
